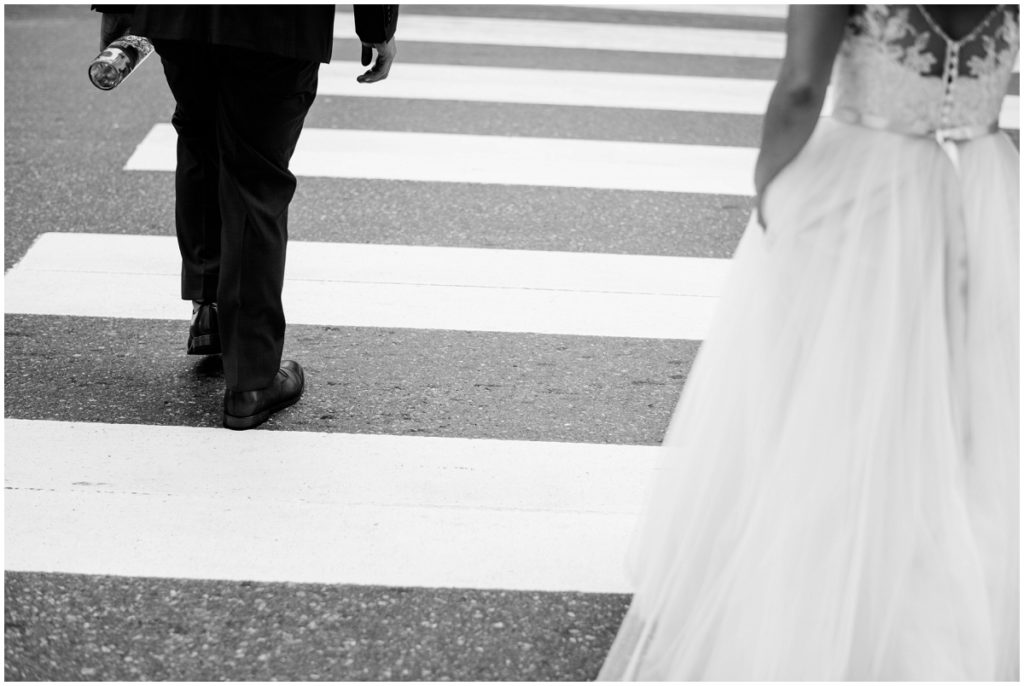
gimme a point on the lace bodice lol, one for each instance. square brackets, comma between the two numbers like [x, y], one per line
[898, 66]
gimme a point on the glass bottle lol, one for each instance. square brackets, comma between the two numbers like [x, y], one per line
[118, 60]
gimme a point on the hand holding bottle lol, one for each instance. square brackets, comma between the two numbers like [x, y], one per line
[120, 52]
[118, 60]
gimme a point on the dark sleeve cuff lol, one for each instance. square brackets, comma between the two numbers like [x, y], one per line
[375, 23]
[114, 9]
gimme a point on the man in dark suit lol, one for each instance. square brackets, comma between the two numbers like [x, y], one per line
[243, 78]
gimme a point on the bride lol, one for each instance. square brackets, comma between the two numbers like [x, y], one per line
[838, 493]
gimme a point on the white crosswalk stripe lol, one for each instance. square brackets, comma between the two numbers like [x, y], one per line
[556, 87]
[577, 89]
[324, 508]
[458, 158]
[579, 35]
[773, 11]
[514, 291]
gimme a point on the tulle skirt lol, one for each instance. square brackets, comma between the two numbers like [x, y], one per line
[838, 491]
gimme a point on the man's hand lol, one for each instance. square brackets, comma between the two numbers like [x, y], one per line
[113, 26]
[385, 56]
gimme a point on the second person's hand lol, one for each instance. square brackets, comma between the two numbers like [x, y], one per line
[385, 56]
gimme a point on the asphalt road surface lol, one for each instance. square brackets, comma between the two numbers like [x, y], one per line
[502, 263]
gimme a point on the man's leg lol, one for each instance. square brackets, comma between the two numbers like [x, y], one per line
[263, 103]
[196, 207]
[187, 67]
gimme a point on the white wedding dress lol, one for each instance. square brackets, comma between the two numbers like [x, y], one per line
[838, 491]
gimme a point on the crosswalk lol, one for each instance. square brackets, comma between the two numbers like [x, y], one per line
[428, 509]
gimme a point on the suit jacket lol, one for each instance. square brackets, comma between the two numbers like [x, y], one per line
[297, 31]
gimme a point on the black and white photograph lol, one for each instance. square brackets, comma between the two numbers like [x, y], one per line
[511, 342]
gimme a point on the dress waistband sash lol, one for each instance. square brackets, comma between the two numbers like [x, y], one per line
[954, 134]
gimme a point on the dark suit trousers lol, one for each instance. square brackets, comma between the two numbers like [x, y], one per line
[238, 116]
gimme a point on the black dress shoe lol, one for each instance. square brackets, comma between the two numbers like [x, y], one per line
[203, 335]
[246, 409]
